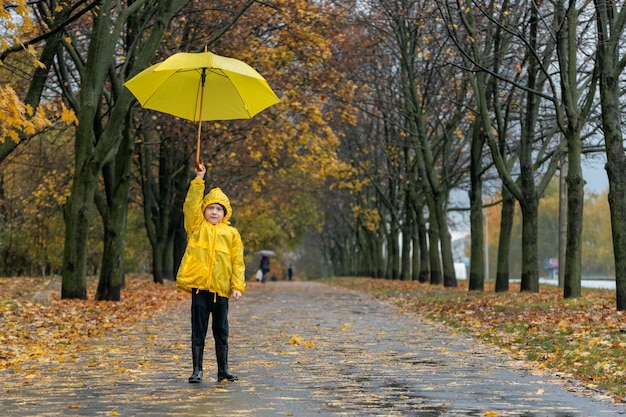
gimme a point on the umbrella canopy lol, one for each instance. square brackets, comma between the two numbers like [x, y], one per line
[178, 85]
[265, 252]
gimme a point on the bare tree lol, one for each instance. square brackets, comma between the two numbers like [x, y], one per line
[611, 28]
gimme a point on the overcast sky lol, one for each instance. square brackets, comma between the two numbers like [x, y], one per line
[595, 174]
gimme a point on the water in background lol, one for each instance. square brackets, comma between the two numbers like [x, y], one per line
[608, 284]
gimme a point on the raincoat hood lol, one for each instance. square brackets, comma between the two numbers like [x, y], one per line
[217, 196]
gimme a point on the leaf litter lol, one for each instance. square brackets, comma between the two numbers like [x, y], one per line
[36, 326]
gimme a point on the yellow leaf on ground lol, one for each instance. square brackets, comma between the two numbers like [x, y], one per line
[296, 339]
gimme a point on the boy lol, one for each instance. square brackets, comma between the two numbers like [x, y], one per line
[212, 269]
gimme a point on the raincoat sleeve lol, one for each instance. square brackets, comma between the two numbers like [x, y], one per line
[192, 208]
[238, 277]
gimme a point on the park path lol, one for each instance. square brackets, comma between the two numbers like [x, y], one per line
[300, 349]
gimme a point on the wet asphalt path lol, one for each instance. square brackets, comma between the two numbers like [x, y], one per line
[300, 349]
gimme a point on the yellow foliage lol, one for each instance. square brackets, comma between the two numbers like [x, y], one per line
[68, 116]
[18, 118]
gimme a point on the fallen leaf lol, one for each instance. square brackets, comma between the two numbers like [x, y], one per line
[296, 339]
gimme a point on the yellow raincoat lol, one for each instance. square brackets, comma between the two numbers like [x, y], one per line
[213, 259]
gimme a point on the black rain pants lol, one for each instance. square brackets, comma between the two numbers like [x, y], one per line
[203, 304]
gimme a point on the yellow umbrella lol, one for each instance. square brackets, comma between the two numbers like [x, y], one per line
[177, 86]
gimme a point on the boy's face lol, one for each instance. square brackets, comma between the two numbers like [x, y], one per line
[214, 213]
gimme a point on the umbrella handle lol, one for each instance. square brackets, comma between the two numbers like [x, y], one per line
[202, 78]
[198, 160]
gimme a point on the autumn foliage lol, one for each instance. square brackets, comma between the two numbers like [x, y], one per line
[36, 326]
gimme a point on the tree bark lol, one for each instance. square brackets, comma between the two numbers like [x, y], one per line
[504, 241]
[116, 180]
[477, 232]
[422, 235]
[415, 253]
[530, 232]
[77, 216]
[407, 228]
[529, 203]
[572, 287]
[393, 256]
[164, 184]
[610, 29]
[447, 260]
[436, 277]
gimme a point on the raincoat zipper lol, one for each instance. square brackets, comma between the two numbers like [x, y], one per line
[212, 261]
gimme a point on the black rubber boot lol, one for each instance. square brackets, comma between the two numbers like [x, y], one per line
[196, 355]
[221, 352]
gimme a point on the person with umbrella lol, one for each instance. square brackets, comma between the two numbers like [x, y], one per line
[264, 266]
[212, 270]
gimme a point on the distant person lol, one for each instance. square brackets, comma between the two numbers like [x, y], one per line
[264, 266]
[212, 270]
[290, 272]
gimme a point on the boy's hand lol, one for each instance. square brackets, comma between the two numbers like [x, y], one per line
[200, 171]
[236, 295]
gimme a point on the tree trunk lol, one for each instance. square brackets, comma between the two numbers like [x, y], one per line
[116, 175]
[422, 235]
[566, 14]
[529, 202]
[434, 259]
[575, 199]
[530, 232]
[393, 256]
[504, 242]
[112, 272]
[164, 184]
[77, 217]
[617, 202]
[405, 269]
[610, 93]
[415, 253]
[376, 244]
[477, 232]
[449, 279]
[180, 244]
